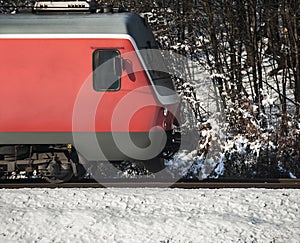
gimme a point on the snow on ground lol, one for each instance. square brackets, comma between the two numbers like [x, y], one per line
[149, 215]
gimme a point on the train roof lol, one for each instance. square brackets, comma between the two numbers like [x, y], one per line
[119, 23]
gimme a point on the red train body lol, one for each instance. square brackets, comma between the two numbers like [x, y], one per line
[79, 75]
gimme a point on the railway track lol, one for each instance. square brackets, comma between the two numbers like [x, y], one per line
[132, 183]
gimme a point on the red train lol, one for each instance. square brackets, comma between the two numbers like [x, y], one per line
[82, 84]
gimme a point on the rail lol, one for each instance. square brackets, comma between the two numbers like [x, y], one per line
[132, 183]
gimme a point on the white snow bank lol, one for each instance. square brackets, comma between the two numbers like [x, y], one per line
[149, 215]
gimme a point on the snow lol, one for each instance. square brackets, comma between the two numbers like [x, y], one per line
[149, 215]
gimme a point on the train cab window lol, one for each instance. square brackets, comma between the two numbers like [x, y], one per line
[106, 70]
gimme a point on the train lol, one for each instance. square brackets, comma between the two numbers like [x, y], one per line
[81, 86]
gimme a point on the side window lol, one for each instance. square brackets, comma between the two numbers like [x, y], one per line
[106, 70]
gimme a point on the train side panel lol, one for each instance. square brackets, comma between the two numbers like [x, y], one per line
[41, 80]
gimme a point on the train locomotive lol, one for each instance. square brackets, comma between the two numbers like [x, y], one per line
[65, 77]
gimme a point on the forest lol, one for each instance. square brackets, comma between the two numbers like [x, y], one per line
[246, 52]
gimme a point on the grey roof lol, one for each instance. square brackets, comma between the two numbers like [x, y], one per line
[121, 23]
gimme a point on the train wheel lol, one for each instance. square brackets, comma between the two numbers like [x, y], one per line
[98, 170]
[58, 172]
[154, 165]
[81, 172]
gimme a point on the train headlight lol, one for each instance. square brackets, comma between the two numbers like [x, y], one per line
[165, 111]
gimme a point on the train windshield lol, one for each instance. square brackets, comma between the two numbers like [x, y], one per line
[158, 71]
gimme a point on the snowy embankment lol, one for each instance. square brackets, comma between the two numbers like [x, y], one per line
[149, 215]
